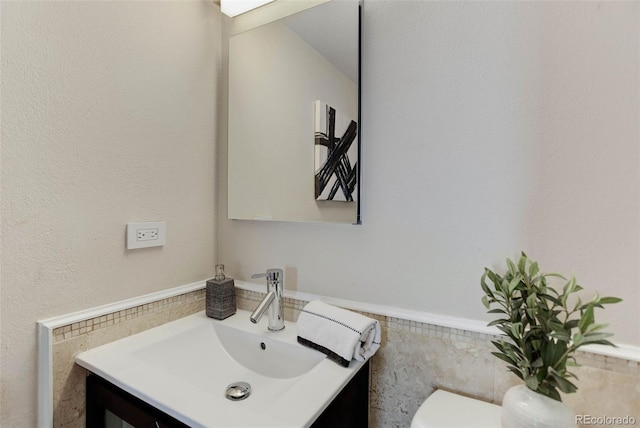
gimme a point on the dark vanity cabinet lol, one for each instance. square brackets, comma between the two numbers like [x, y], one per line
[350, 409]
[107, 402]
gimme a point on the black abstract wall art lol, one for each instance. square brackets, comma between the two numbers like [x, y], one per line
[336, 155]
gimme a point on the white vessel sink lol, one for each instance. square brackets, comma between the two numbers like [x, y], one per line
[184, 367]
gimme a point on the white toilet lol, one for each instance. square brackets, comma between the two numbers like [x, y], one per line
[445, 409]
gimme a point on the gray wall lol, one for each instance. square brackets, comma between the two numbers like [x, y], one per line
[487, 128]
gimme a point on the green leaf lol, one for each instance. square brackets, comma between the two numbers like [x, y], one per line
[610, 300]
[553, 393]
[502, 344]
[536, 345]
[537, 363]
[504, 357]
[593, 327]
[567, 287]
[504, 286]
[555, 292]
[532, 383]
[522, 263]
[578, 340]
[567, 290]
[510, 348]
[604, 342]
[495, 279]
[563, 384]
[516, 303]
[552, 299]
[515, 316]
[571, 361]
[483, 284]
[586, 319]
[485, 302]
[553, 352]
[569, 374]
[506, 329]
[533, 269]
[531, 300]
[511, 267]
[555, 325]
[516, 329]
[515, 371]
[531, 312]
[561, 335]
[570, 325]
[595, 337]
[554, 275]
[578, 304]
[497, 322]
[514, 283]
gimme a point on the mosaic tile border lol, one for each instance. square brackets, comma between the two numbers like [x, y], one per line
[293, 308]
[79, 328]
[605, 362]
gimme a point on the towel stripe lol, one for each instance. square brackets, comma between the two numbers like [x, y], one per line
[328, 352]
[331, 319]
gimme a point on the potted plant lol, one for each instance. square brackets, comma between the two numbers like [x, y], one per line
[541, 330]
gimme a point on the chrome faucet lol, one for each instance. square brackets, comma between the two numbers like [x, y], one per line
[272, 301]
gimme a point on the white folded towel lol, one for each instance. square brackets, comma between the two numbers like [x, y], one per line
[341, 334]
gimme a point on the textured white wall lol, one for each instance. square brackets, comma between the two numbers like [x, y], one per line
[487, 128]
[108, 116]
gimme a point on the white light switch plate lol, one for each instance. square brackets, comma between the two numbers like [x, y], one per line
[146, 234]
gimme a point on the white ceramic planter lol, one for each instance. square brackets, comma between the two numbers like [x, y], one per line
[524, 408]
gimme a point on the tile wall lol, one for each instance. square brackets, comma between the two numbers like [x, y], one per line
[414, 360]
[417, 358]
[70, 340]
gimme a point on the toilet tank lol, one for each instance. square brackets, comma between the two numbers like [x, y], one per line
[444, 409]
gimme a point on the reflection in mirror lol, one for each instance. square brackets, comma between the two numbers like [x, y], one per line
[293, 117]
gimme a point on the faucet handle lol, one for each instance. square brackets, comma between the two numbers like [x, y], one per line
[259, 275]
[274, 275]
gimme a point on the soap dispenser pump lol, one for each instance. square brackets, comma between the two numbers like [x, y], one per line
[220, 295]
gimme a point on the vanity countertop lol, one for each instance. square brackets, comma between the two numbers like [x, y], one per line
[183, 369]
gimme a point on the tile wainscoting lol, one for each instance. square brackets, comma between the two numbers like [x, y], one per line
[72, 339]
[415, 359]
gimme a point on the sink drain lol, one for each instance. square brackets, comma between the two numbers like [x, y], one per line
[238, 391]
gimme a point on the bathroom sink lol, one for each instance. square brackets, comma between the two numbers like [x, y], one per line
[265, 355]
[184, 368]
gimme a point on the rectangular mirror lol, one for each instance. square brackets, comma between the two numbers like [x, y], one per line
[294, 115]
